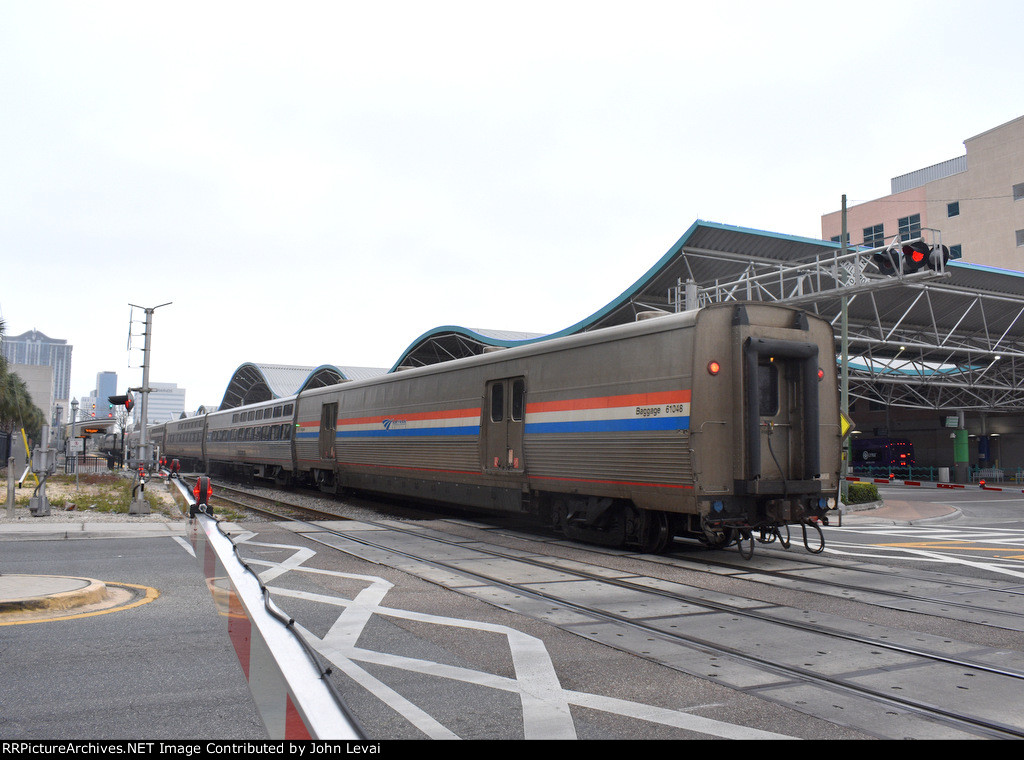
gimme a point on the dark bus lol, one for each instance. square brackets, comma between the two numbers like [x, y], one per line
[881, 453]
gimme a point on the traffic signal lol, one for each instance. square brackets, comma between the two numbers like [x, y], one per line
[126, 401]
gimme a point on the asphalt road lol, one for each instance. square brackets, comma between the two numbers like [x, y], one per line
[162, 670]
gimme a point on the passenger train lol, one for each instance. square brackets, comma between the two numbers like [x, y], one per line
[710, 424]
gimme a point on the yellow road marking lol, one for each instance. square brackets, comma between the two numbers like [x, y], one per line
[150, 594]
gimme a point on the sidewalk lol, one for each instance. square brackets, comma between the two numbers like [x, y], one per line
[30, 597]
[895, 512]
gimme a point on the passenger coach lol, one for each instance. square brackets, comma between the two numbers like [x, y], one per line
[707, 423]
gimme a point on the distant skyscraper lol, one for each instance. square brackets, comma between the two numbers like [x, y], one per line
[34, 347]
[166, 402]
[106, 386]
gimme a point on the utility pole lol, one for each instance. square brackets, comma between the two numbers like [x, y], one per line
[844, 383]
[139, 505]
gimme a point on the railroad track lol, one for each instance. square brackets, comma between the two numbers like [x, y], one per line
[829, 636]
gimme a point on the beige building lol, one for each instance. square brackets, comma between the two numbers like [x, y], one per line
[973, 204]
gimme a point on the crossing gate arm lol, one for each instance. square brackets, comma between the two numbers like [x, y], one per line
[290, 688]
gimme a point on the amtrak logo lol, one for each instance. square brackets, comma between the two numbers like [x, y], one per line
[390, 423]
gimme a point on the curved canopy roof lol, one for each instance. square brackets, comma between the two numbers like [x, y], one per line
[695, 256]
[252, 383]
[952, 339]
[962, 329]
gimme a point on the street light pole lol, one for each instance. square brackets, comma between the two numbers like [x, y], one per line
[71, 443]
[140, 506]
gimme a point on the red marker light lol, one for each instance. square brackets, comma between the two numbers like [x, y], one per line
[821, 373]
[714, 368]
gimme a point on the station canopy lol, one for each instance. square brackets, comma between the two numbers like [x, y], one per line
[252, 383]
[950, 340]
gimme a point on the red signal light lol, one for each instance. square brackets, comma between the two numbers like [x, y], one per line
[915, 256]
[202, 491]
[714, 368]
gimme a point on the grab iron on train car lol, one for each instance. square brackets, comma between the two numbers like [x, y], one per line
[711, 424]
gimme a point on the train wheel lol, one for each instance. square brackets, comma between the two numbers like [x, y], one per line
[559, 514]
[655, 534]
[325, 482]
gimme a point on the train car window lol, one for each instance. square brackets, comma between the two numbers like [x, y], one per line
[288, 408]
[286, 432]
[497, 402]
[518, 399]
[277, 411]
[768, 390]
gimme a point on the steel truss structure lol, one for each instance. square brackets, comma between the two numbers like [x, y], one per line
[951, 339]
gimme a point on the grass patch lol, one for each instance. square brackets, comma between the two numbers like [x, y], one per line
[109, 493]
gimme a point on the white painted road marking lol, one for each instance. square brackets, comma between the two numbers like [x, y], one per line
[546, 704]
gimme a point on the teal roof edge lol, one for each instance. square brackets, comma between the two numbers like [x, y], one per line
[623, 298]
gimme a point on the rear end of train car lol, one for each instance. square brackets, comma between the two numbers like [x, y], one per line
[764, 420]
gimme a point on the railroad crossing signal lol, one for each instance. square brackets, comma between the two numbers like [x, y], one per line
[887, 262]
[920, 254]
[911, 258]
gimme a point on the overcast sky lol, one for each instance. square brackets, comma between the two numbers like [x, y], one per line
[321, 182]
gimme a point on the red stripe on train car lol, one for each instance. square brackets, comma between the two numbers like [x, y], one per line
[609, 402]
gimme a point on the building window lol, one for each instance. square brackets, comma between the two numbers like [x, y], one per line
[1020, 238]
[874, 236]
[956, 252]
[910, 227]
[838, 238]
[953, 209]
[1018, 192]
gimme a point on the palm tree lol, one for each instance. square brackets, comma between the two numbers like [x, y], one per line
[3, 361]
[16, 407]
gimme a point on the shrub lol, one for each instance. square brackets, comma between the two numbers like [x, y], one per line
[860, 493]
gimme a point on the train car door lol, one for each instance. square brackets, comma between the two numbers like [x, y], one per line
[504, 413]
[775, 395]
[328, 428]
[782, 416]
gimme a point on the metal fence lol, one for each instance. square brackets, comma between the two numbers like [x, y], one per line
[85, 464]
[942, 474]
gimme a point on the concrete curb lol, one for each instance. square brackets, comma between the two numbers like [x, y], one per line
[22, 593]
